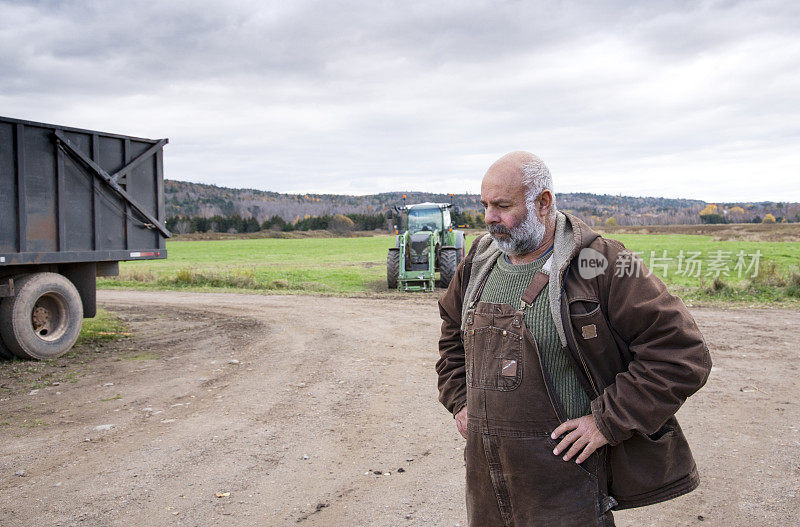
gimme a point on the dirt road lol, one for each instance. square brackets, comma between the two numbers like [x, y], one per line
[323, 411]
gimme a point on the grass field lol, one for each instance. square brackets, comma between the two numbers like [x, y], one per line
[702, 268]
[697, 267]
[316, 265]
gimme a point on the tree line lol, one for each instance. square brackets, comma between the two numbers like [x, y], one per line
[235, 223]
[713, 214]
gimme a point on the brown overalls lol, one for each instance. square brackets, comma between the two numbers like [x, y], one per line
[513, 478]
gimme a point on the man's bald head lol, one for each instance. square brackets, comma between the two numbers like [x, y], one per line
[524, 168]
[512, 162]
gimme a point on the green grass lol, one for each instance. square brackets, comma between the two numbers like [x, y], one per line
[358, 266]
[142, 356]
[104, 327]
[310, 265]
[777, 277]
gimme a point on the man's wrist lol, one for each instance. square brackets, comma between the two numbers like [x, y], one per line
[601, 426]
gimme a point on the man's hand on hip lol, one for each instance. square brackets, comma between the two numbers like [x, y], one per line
[461, 422]
[584, 438]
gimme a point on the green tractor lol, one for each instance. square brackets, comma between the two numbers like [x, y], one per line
[426, 243]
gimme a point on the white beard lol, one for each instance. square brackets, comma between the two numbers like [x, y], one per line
[522, 239]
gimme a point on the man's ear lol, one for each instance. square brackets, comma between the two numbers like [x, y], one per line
[544, 203]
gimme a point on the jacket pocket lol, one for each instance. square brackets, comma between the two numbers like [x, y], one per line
[643, 469]
[589, 324]
[594, 338]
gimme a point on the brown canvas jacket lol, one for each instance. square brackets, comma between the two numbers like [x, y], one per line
[635, 346]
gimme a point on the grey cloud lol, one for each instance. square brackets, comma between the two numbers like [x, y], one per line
[141, 45]
[314, 96]
[144, 44]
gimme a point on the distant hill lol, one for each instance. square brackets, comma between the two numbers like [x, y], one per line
[196, 199]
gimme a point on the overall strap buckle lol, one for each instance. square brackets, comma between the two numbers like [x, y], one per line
[537, 285]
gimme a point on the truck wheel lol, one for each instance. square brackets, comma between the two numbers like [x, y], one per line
[44, 319]
[392, 268]
[448, 261]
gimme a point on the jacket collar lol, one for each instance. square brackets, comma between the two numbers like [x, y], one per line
[571, 235]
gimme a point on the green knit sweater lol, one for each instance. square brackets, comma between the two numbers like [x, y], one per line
[505, 284]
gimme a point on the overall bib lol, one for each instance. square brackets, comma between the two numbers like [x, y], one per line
[513, 478]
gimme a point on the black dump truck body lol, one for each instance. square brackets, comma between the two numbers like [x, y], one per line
[73, 203]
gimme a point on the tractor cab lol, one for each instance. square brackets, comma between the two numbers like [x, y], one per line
[427, 217]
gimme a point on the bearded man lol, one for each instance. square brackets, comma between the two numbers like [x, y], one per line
[563, 361]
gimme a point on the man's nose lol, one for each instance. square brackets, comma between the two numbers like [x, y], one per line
[490, 216]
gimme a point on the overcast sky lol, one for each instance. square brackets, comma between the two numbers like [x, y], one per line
[676, 99]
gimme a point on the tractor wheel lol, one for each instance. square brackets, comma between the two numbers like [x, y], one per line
[448, 261]
[44, 319]
[392, 268]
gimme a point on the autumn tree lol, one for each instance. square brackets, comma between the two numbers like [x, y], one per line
[709, 209]
[736, 213]
[711, 214]
[340, 224]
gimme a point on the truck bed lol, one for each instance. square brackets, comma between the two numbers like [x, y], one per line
[69, 195]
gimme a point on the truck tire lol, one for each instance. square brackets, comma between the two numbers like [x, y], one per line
[392, 268]
[448, 261]
[44, 319]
